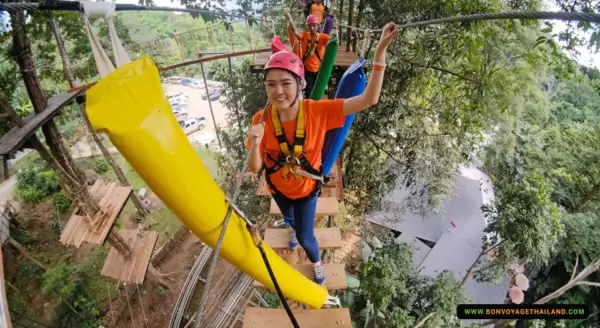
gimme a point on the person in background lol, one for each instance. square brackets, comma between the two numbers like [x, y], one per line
[318, 9]
[312, 46]
[289, 140]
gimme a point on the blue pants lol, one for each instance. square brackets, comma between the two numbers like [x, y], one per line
[302, 217]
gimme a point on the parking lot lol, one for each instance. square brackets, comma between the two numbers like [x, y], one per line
[198, 110]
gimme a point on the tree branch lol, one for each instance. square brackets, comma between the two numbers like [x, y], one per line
[366, 135]
[437, 68]
[578, 280]
[575, 268]
[589, 283]
[424, 319]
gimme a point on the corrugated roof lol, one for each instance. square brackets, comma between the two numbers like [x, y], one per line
[456, 248]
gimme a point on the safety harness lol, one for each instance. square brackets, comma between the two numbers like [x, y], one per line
[294, 162]
[312, 48]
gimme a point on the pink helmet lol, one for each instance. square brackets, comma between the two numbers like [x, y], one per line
[312, 19]
[286, 60]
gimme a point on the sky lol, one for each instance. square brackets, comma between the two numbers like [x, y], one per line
[587, 57]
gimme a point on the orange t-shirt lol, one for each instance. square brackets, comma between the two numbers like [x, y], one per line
[319, 117]
[312, 63]
[318, 10]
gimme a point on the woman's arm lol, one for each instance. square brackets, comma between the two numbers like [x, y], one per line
[371, 94]
[255, 160]
[255, 136]
[290, 20]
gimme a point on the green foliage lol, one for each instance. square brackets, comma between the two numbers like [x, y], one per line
[159, 289]
[394, 294]
[554, 137]
[524, 224]
[60, 203]
[34, 184]
[60, 281]
[272, 299]
[100, 165]
[28, 269]
[66, 283]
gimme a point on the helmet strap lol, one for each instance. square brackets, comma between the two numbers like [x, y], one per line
[301, 86]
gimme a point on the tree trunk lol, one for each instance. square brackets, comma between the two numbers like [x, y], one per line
[359, 16]
[24, 252]
[21, 52]
[116, 241]
[349, 30]
[142, 212]
[63, 53]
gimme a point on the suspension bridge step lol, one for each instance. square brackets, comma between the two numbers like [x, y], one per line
[255, 317]
[335, 275]
[325, 206]
[328, 238]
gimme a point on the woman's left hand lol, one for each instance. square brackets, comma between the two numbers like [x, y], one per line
[387, 35]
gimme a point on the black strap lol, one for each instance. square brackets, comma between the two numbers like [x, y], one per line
[315, 50]
[280, 162]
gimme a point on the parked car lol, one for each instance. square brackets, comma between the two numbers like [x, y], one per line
[180, 108]
[190, 83]
[214, 94]
[179, 102]
[177, 95]
[173, 80]
[193, 124]
[180, 114]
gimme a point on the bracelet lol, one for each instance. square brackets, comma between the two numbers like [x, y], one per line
[378, 68]
[379, 64]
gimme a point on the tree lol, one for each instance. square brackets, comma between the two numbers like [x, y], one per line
[72, 181]
[393, 294]
[22, 54]
[554, 135]
[141, 210]
[523, 225]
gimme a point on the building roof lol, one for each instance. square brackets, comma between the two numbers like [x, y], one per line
[456, 248]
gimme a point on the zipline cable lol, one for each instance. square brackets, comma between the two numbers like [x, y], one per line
[60, 5]
[552, 15]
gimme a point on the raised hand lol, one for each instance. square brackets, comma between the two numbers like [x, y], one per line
[387, 35]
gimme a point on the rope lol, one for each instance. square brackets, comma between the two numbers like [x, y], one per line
[215, 258]
[141, 304]
[112, 313]
[129, 306]
[285, 304]
[59, 5]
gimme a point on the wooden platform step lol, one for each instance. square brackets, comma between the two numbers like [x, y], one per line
[335, 275]
[328, 238]
[325, 206]
[255, 317]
